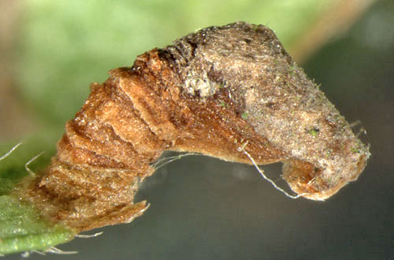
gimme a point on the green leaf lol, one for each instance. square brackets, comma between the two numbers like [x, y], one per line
[23, 229]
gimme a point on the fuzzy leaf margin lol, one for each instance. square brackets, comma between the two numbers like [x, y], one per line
[23, 229]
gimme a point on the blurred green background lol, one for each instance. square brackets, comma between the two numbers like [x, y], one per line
[202, 208]
[60, 47]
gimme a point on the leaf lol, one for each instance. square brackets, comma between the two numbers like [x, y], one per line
[21, 226]
[23, 229]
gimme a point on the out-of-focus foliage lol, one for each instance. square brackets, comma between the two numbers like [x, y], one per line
[66, 45]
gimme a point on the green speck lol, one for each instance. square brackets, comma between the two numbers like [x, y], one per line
[244, 115]
[355, 150]
[292, 69]
[314, 132]
[224, 104]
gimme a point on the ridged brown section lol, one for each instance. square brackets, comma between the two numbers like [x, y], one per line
[125, 125]
[227, 92]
